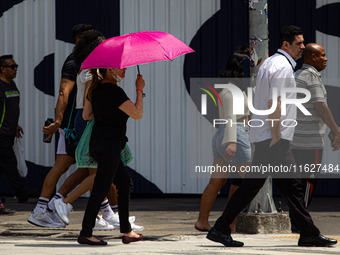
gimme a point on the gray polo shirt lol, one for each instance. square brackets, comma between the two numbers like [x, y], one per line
[310, 130]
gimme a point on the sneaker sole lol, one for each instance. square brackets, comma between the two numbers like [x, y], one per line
[39, 225]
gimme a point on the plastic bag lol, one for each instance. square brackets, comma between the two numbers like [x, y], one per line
[126, 155]
[83, 158]
[19, 151]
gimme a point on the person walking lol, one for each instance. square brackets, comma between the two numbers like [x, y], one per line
[110, 107]
[231, 142]
[43, 214]
[308, 141]
[272, 144]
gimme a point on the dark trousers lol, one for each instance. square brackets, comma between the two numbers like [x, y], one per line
[290, 188]
[307, 157]
[8, 164]
[110, 169]
[309, 182]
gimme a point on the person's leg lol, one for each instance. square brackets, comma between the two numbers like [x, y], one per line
[63, 205]
[231, 192]
[113, 197]
[83, 187]
[70, 183]
[124, 186]
[247, 191]
[8, 163]
[291, 190]
[236, 183]
[306, 157]
[240, 199]
[216, 183]
[73, 181]
[313, 157]
[61, 165]
[107, 167]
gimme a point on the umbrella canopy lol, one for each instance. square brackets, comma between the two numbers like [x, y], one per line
[135, 49]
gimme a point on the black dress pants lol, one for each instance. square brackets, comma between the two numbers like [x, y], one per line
[110, 169]
[290, 188]
[8, 164]
[309, 181]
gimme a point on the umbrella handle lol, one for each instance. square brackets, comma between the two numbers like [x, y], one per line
[138, 70]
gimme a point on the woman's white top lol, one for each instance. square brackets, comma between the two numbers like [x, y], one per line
[83, 77]
[226, 112]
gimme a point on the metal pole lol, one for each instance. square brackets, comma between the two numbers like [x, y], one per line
[258, 36]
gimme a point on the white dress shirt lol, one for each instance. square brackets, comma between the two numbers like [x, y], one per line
[275, 72]
[83, 77]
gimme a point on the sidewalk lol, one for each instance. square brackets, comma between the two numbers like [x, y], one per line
[168, 224]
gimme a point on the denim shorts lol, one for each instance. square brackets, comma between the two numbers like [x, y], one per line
[243, 148]
[79, 123]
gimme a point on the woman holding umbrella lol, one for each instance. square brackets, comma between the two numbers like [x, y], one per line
[108, 104]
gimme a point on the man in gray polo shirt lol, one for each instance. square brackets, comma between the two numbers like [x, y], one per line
[308, 141]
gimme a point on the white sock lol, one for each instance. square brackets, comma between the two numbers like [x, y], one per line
[41, 205]
[51, 204]
[106, 210]
[114, 208]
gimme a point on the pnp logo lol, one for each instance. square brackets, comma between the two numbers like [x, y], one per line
[238, 100]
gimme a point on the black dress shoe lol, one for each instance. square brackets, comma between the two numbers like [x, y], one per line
[319, 240]
[217, 236]
[84, 240]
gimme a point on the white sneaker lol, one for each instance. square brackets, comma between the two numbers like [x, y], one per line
[63, 210]
[114, 220]
[101, 224]
[44, 220]
[135, 227]
[55, 217]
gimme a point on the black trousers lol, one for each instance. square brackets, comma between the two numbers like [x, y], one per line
[309, 183]
[8, 164]
[110, 169]
[290, 188]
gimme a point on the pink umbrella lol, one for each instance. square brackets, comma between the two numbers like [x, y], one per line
[135, 49]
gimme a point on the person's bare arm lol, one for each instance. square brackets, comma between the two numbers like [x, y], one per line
[87, 111]
[327, 116]
[135, 110]
[66, 87]
[275, 125]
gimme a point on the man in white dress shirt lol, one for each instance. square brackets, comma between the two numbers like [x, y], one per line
[272, 144]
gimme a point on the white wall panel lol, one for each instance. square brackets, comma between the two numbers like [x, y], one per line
[331, 74]
[160, 141]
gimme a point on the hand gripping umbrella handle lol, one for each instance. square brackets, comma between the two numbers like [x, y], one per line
[138, 70]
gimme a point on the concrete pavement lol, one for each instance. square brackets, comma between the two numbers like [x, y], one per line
[168, 224]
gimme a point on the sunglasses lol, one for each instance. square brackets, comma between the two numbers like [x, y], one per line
[12, 66]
